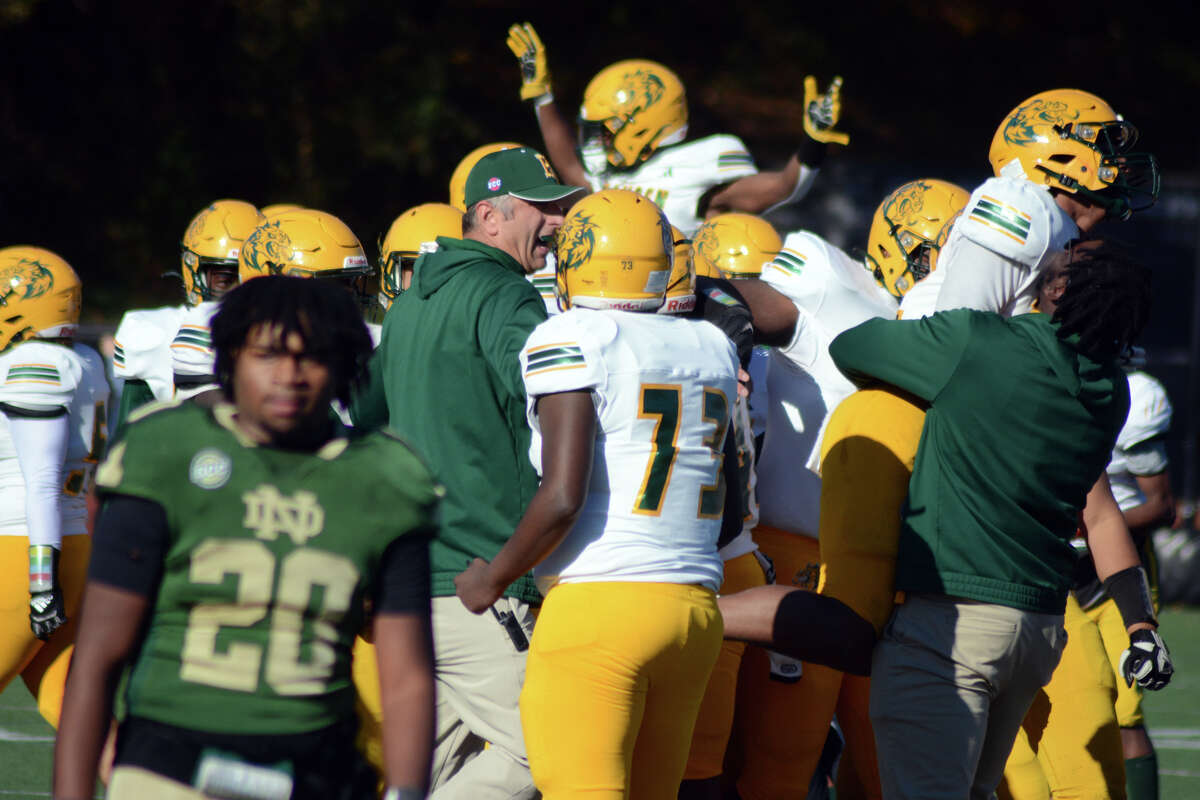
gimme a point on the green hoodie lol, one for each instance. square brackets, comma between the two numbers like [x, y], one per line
[1019, 428]
[448, 365]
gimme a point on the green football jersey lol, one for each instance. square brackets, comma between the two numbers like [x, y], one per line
[271, 556]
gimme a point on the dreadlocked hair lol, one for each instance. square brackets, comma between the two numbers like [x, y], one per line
[324, 314]
[1106, 302]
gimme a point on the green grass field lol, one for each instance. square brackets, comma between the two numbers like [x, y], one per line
[27, 742]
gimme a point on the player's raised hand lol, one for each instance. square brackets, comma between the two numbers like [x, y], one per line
[822, 111]
[529, 50]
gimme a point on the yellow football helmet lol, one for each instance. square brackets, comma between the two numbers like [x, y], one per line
[278, 208]
[412, 233]
[735, 246]
[908, 231]
[632, 108]
[1074, 141]
[307, 243]
[614, 250]
[458, 180]
[39, 296]
[214, 238]
[681, 287]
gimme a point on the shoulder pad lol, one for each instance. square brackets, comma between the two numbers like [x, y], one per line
[562, 353]
[142, 341]
[1149, 411]
[821, 279]
[152, 408]
[191, 346]
[39, 375]
[1016, 219]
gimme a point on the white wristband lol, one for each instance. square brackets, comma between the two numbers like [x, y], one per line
[544, 100]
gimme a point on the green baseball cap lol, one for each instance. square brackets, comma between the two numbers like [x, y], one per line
[520, 171]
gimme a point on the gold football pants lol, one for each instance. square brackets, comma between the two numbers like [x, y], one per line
[782, 727]
[715, 721]
[1069, 744]
[867, 457]
[613, 684]
[42, 665]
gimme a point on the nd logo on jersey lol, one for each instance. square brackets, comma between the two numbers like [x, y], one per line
[269, 513]
[1035, 122]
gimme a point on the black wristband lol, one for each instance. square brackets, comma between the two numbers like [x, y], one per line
[1130, 589]
[811, 153]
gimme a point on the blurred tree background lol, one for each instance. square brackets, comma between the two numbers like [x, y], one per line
[120, 120]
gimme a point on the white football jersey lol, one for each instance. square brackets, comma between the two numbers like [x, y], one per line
[545, 280]
[832, 292]
[192, 356]
[42, 375]
[1149, 417]
[142, 348]
[663, 388]
[675, 177]
[998, 246]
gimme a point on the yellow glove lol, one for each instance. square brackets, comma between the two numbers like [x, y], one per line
[822, 111]
[529, 50]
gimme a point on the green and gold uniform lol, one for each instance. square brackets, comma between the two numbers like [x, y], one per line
[270, 557]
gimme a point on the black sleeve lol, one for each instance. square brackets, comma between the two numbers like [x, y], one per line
[403, 583]
[129, 544]
[718, 302]
[811, 153]
[734, 514]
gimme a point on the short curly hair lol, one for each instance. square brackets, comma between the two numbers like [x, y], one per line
[1106, 302]
[324, 314]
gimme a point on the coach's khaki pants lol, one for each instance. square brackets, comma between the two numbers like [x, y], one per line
[951, 681]
[479, 678]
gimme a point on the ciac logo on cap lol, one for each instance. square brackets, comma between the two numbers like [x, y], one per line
[493, 184]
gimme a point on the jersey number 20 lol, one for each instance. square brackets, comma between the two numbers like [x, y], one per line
[300, 572]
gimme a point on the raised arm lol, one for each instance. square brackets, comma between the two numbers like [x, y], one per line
[764, 191]
[558, 136]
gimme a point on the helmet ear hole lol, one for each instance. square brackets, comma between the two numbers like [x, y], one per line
[1062, 158]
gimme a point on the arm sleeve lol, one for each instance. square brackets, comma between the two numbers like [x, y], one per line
[505, 321]
[129, 545]
[918, 356]
[1147, 458]
[404, 584]
[41, 445]
[982, 279]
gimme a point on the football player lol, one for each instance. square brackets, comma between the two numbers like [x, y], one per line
[412, 233]
[1069, 740]
[808, 293]
[632, 127]
[733, 246]
[142, 355]
[52, 433]
[630, 411]
[1063, 161]
[744, 566]
[250, 521]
